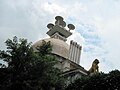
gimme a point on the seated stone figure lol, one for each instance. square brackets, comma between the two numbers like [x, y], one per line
[95, 67]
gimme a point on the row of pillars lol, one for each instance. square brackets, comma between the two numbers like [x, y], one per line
[74, 52]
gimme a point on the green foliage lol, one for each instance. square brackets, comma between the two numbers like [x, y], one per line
[45, 49]
[99, 81]
[29, 70]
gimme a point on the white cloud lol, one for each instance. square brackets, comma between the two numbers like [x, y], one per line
[53, 8]
[76, 37]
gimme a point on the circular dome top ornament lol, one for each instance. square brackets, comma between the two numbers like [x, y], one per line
[71, 27]
[59, 18]
[50, 25]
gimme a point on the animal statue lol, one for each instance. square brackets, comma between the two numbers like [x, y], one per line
[95, 67]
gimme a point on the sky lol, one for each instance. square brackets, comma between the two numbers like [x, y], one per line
[97, 26]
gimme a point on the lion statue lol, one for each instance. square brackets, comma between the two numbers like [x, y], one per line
[95, 67]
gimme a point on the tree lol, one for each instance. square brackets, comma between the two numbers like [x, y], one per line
[99, 81]
[28, 70]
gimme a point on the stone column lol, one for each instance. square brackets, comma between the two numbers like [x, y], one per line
[70, 50]
[75, 52]
[79, 54]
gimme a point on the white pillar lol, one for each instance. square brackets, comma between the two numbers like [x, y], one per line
[75, 52]
[79, 54]
[70, 50]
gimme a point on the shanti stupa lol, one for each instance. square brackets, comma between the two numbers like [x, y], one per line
[67, 55]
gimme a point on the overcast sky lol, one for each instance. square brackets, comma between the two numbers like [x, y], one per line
[97, 25]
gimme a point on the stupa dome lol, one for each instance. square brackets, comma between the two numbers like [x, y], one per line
[59, 47]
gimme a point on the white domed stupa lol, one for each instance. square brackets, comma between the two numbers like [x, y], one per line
[68, 55]
[59, 47]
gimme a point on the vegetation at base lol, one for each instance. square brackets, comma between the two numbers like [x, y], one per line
[99, 81]
[29, 70]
